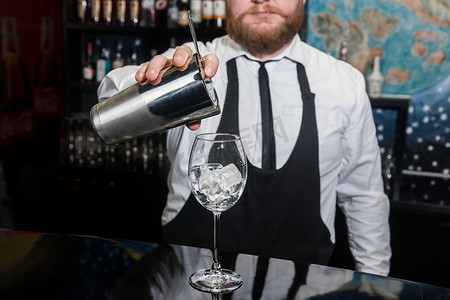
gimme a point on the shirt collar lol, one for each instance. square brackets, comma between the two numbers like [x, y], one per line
[293, 52]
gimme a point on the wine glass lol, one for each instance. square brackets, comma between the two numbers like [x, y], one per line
[218, 174]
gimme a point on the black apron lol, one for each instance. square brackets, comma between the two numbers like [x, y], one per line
[278, 214]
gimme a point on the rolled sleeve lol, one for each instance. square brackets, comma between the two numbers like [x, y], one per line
[115, 81]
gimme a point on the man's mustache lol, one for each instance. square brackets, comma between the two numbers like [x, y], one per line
[266, 8]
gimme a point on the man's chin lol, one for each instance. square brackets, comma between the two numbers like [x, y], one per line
[263, 27]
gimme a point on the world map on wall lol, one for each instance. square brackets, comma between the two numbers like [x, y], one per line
[412, 39]
[410, 36]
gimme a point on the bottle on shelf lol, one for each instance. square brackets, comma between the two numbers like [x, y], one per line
[343, 51]
[15, 87]
[118, 58]
[103, 65]
[172, 21]
[82, 10]
[95, 11]
[375, 79]
[196, 12]
[219, 14]
[207, 13]
[47, 68]
[88, 71]
[16, 99]
[148, 13]
[107, 8]
[172, 42]
[46, 95]
[133, 58]
[135, 12]
[183, 19]
[121, 12]
[161, 13]
[46, 79]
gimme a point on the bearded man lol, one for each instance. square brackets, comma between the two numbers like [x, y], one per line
[323, 145]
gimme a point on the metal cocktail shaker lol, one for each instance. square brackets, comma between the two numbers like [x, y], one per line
[140, 110]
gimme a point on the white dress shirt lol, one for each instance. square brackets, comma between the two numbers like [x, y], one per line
[349, 158]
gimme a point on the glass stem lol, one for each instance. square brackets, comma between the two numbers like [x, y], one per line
[216, 255]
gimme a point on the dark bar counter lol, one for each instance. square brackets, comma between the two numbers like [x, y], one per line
[62, 266]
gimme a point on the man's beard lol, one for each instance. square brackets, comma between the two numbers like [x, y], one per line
[267, 42]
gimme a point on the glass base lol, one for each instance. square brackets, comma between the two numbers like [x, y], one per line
[217, 282]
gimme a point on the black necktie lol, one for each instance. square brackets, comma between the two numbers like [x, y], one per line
[268, 137]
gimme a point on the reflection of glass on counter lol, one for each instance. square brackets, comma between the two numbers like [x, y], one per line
[163, 274]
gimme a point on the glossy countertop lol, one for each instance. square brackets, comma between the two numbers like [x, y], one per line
[63, 266]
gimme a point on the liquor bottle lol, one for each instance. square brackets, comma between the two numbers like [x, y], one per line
[15, 87]
[172, 21]
[107, 8]
[118, 58]
[121, 12]
[148, 13]
[103, 65]
[207, 13]
[161, 13]
[183, 19]
[46, 79]
[219, 14]
[47, 69]
[46, 95]
[172, 42]
[135, 12]
[343, 51]
[133, 59]
[82, 11]
[196, 12]
[88, 68]
[95, 11]
[375, 79]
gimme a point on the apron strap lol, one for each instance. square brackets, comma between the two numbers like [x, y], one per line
[230, 114]
[303, 80]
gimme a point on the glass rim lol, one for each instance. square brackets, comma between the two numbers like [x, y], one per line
[212, 137]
